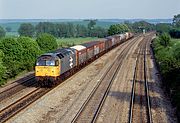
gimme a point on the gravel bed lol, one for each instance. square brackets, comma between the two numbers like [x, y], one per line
[13, 82]
[116, 106]
[162, 110]
[15, 97]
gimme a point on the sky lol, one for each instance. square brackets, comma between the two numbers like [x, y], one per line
[88, 9]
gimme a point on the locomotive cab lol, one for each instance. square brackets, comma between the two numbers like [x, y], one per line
[47, 67]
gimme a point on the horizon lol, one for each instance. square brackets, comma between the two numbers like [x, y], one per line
[153, 21]
[83, 18]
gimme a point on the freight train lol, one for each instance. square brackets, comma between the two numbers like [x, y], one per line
[51, 68]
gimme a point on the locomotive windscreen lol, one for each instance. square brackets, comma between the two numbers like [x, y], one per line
[46, 60]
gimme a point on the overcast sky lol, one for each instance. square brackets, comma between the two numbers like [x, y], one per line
[81, 9]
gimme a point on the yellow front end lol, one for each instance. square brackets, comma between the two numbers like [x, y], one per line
[47, 71]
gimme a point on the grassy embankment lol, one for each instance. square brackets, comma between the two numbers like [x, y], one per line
[168, 59]
[67, 42]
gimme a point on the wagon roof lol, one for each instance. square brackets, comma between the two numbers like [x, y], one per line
[78, 47]
[90, 44]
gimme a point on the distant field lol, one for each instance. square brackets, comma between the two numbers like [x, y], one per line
[67, 42]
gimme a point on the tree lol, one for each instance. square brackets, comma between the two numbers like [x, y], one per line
[175, 32]
[71, 30]
[13, 59]
[30, 53]
[81, 31]
[2, 32]
[46, 27]
[139, 26]
[91, 24]
[163, 28]
[2, 68]
[117, 29]
[176, 21]
[176, 52]
[61, 30]
[26, 29]
[46, 42]
[164, 39]
[129, 25]
[98, 32]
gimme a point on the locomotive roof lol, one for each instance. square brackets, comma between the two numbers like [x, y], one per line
[65, 51]
[62, 51]
[51, 56]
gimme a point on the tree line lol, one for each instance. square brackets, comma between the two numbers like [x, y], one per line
[67, 30]
[62, 30]
[173, 29]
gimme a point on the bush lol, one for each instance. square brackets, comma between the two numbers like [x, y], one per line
[46, 42]
[13, 59]
[30, 53]
[117, 29]
[176, 52]
[2, 69]
[163, 27]
[164, 39]
[168, 59]
[175, 33]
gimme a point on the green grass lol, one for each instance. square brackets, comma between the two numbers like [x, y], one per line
[67, 42]
[175, 41]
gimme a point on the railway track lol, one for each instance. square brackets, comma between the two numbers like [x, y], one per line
[22, 103]
[92, 106]
[140, 108]
[17, 86]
